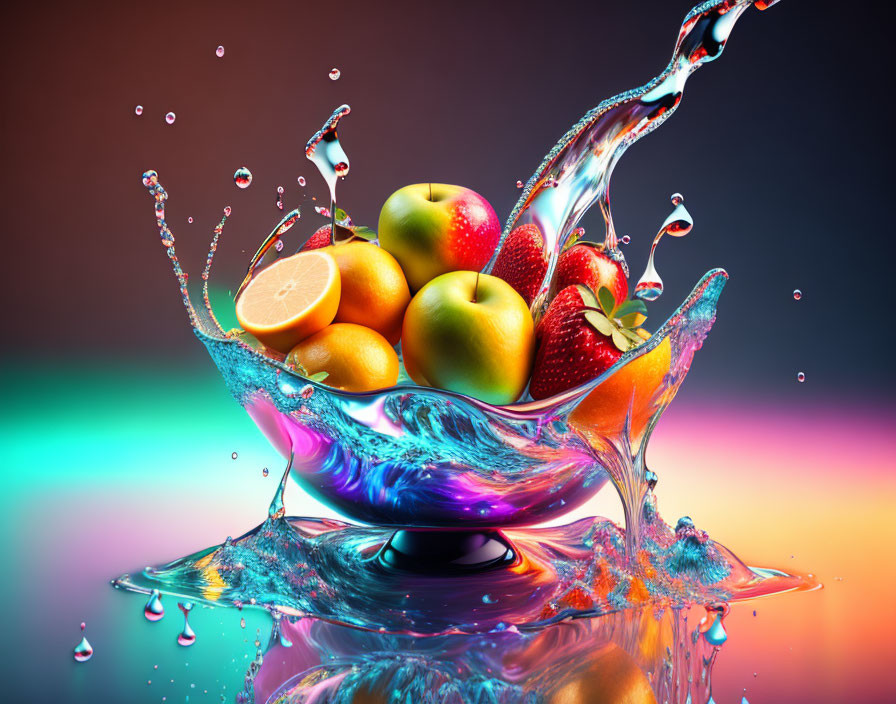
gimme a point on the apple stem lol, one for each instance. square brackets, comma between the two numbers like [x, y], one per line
[476, 289]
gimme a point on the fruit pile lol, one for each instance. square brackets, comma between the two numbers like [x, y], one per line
[337, 310]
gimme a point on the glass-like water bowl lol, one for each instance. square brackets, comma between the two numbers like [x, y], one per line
[418, 457]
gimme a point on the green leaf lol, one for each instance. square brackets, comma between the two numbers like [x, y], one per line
[364, 233]
[629, 307]
[320, 376]
[607, 301]
[628, 321]
[600, 322]
[621, 341]
[588, 297]
[341, 215]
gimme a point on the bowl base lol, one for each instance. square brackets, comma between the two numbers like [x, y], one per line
[447, 552]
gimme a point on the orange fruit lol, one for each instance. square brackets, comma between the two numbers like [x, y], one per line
[612, 677]
[374, 290]
[355, 358]
[290, 300]
[603, 410]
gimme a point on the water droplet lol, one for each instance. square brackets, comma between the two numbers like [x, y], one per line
[301, 180]
[242, 623]
[626, 239]
[677, 224]
[279, 245]
[170, 118]
[264, 472]
[186, 637]
[219, 52]
[651, 479]
[715, 634]
[138, 110]
[154, 609]
[83, 650]
[190, 219]
[519, 184]
[488, 599]
[227, 211]
[327, 153]
[797, 294]
[677, 199]
[280, 190]
[801, 377]
[321, 210]
[234, 455]
[307, 391]
[242, 177]
[334, 74]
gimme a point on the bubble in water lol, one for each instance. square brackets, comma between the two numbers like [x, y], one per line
[234, 455]
[301, 180]
[519, 184]
[797, 294]
[264, 472]
[219, 52]
[186, 637]
[154, 609]
[801, 377]
[138, 110]
[170, 118]
[335, 73]
[242, 177]
[83, 650]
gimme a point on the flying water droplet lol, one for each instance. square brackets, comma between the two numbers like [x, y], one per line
[219, 52]
[519, 184]
[321, 210]
[280, 197]
[301, 181]
[138, 110]
[801, 377]
[154, 610]
[186, 637]
[170, 118]
[626, 239]
[227, 211]
[488, 599]
[279, 245]
[242, 177]
[264, 472]
[678, 224]
[234, 455]
[797, 294]
[334, 74]
[83, 650]
[190, 219]
[715, 634]
[242, 622]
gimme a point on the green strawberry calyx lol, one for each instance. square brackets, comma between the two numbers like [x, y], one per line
[618, 322]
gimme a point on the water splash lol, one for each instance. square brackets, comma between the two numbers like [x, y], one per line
[576, 173]
[186, 637]
[268, 250]
[154, 611]
[678, 224]
[327, 154]
[83, 650]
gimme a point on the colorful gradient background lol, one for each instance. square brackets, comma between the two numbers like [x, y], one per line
[116, 434]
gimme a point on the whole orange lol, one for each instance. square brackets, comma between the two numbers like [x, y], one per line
[603, 411]
[374, 290]
[355, 358]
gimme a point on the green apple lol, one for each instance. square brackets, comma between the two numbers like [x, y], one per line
[470, 333]
[434, 228]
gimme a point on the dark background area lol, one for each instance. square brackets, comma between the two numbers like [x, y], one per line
[781, 148]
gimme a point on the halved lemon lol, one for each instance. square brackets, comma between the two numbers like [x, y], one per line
[291, 299]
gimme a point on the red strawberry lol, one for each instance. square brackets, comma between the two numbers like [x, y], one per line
[321, 237]
[570, 351]
[586, 264]
[522, 262]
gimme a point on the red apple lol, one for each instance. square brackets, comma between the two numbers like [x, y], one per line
[434, 228]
